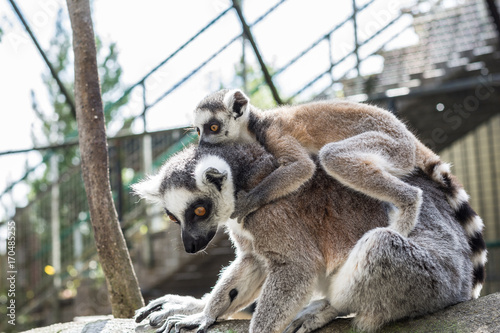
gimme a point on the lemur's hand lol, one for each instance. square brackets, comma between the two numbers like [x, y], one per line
[243, 206]
[199, 320]
[162, 308]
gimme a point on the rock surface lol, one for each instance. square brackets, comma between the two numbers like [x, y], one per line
[479, 316]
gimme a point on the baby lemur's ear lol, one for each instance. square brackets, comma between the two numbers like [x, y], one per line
[215, 177]
[149, 189]
[237, 102]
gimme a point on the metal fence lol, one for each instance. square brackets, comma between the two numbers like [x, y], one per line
[476, 162]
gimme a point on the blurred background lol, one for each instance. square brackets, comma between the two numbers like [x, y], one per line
[435, 64]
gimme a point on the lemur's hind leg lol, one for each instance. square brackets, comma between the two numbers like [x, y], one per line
[371, 163]
[379, 278]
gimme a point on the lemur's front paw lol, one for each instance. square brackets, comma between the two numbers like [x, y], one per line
[242, 206]
[199, 320]
[166, 306]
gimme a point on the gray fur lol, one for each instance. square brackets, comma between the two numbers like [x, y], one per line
[324, 239]
[213, 103]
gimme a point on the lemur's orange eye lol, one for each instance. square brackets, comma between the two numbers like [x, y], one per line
[214, 127]
[172, 218]
[198, 131]
[200, 211]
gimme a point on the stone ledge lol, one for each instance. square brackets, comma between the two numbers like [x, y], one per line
[481, 316]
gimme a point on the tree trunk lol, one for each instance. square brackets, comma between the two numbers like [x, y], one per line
[123, 288]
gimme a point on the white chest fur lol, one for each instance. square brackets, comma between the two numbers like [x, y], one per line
[238, 229]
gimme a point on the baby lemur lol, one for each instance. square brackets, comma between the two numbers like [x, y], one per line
[362, 146]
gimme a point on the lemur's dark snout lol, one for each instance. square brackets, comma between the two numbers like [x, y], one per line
[196, 244]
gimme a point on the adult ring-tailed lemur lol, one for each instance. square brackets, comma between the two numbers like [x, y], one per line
[322, 251]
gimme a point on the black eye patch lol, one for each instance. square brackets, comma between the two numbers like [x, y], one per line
[190, 212]
[213, 126]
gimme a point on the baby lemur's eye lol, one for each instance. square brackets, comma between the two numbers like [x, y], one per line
[213, 126]
[200, 211]
[198, 131]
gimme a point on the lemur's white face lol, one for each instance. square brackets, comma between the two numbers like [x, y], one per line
[222, 117]
[199, 212]
[219, 127]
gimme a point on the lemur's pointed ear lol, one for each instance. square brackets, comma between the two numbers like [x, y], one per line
[237, 102]
[215, 177]
[212, 171]
[149, 189]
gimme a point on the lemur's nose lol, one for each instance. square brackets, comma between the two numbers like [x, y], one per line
[193, 244]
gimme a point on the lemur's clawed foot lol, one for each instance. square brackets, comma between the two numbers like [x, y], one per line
[315, 315]
[144, 312]
[158, 310]
[180, 322]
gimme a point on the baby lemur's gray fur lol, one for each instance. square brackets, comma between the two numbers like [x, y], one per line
[362, 146]
[324, 247]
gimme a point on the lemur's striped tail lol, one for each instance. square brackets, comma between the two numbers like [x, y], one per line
[459, 202]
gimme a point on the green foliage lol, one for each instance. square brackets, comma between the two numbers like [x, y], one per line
[251, 78]
[59, 125]
[110, 73]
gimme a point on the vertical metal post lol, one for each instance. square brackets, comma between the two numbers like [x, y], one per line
[465, 164]
[78, 247]
[144, 101]
[330, 56]
[494, 178]
[55, 227]
[243, 63]
[249, 36]
[355, 24]
[147, 165]
[479, 175]
[147, 153]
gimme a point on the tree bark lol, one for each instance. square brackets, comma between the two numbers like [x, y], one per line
[123, 288]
